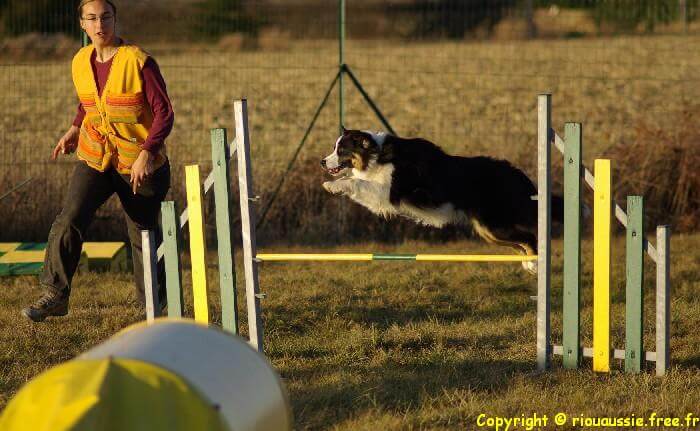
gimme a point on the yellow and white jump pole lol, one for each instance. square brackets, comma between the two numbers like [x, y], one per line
[173, 375]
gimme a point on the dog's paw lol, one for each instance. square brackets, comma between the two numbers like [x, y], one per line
[530, 266]
[334, 187]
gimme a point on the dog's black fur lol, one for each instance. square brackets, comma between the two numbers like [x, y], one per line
[493, 194]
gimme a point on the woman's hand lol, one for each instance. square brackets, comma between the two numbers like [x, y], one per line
[67, 144]
[142, 168]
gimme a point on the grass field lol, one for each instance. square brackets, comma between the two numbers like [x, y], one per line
[395, 345]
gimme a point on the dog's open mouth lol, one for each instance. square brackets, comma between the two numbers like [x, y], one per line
[341, 167]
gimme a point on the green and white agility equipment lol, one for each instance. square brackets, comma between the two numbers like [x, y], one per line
[605, 211]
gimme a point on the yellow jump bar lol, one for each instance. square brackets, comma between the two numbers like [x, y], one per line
[288, 257]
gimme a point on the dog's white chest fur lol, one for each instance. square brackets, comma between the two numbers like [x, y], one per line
[371, 188]
[437, 217]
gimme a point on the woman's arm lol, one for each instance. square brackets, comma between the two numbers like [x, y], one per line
[156, 95]
[78, 121]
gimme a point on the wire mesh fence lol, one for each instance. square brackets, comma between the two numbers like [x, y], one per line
[464, 74]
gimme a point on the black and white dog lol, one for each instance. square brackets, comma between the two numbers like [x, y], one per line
[414, 178]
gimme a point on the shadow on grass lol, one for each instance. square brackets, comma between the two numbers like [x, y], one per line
[393, 387]
[296, 318]
[693, 361]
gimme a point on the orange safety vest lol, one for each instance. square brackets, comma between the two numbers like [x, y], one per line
[116, 124]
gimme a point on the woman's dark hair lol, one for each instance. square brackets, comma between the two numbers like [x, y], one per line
[84, 2]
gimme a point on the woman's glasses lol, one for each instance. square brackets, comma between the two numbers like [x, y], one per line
[105, 19]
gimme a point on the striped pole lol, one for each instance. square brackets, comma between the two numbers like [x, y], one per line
[601, 269]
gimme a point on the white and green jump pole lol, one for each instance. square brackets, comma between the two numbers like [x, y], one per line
[605, 210]
[570, 349]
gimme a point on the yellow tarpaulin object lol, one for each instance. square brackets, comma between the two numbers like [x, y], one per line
[110, 395]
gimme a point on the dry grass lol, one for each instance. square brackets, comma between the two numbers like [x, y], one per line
[369, 346]
[469, 97]
[661, 164]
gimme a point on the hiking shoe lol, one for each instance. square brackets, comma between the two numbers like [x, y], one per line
[50, 304]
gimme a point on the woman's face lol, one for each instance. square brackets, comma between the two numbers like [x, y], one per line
[98, 21]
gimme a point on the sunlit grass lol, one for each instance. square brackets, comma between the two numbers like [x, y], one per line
[399, 345]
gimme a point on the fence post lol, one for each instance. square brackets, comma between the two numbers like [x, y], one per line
[341, 65]
[530, 18]
[684, 14]
[544, 221]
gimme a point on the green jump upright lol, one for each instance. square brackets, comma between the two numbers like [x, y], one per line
[220, 156]
[634, 302]
[572, 245]
[172, 241]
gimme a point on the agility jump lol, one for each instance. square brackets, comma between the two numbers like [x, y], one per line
[571, 350]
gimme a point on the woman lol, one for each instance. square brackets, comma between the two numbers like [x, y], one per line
[123, 118]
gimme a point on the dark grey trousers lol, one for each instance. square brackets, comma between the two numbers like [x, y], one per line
[88, 190]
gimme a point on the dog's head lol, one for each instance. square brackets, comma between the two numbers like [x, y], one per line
[354, 149]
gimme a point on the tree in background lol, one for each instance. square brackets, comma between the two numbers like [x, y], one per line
[40, 16]
[214, 18]
[453, 19]
[628, 15]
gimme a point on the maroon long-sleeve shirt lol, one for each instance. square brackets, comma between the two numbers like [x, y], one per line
[155, 93]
